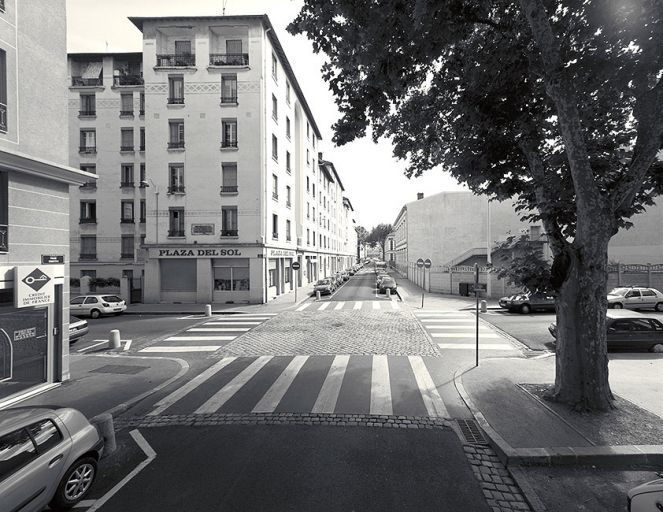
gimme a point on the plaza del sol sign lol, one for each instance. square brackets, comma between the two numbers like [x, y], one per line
[198, 253]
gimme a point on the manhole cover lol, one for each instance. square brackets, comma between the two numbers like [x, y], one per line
[120, 369]
[471, 432]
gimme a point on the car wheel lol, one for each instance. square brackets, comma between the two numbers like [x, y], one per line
[659, 306]
[75, 484]
[657, 348]
[525, 309]
[618, 305]
[95, 313]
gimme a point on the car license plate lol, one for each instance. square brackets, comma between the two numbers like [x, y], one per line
[117, 309]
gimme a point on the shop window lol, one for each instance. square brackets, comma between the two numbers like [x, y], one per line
[231, 274]
[287, 274]
[272, 277]
[178, 274]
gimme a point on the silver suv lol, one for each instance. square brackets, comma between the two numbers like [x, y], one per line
[634, 297]
[48, 456]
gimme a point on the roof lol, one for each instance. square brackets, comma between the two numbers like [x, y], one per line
[20, 162]
[269, 29]
[346, 200]
[101, 55]
[331, 172]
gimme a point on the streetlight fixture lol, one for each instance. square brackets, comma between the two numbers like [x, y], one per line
[156, 194]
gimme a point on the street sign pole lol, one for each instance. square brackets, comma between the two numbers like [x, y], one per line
[420, 264]
[295, 267]
[476, 295]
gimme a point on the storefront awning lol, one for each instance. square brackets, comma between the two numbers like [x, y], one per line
[93, 70]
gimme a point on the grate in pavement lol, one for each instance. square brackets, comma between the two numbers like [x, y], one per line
[120, 369]
[471, 432]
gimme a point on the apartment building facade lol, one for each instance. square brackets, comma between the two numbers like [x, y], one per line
[34, 199]
[229, 183]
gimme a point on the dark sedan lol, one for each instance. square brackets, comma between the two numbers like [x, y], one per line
[628, 330]
[387, 283]
[527, 302]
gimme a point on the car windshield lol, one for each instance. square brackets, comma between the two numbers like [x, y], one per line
[322, 281]
[619, 291]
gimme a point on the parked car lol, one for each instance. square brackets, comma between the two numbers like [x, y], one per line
[647, 497]
[48, 456]
[527, 302]
[345, 275]
[629, 330]
[387, 283]
[632, 297]
[380, 277]
[97, 305]
[339, 278]
[78, 328]
[324, 286]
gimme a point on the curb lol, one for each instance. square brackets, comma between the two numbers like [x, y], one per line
[161, 312]
[561, 455]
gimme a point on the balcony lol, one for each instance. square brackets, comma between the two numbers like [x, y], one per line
[229, 59]
[177, 144]
[89, 185]
[127, 149]
[232, 100]
[79, 81]
[126, 184]
[176, 233]
[87, 220]
[176, 101]
[4, 238]
[176, 60]
[127, 256]
[127, 80]
[176, 189]
[229, 144]
[87, 113]
[127, 221]
[229, 232]
[126, 113]
[88, 150]
[88, 256]
[229, 189]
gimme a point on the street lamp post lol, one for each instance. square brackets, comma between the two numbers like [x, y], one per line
[156, 218]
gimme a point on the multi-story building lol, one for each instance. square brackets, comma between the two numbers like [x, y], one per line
[34, 199]
[226, 173]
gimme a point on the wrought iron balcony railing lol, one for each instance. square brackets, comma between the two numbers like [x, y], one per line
[177, 233]
[176, 189]
[127, 255]
[79, 81]
[3, 118]
[127, 148]
[229, 189]
[178, 100]
[87, 113]
[229, 59]
[89, 185]
[229, 143]
[90, 150]
[88, 220]
[229, 99]
[177, 144]
[4, 238]
[127, 221]
[126, 184]
[127, 80]
[126, 112]
[170, 60]
[229, 232]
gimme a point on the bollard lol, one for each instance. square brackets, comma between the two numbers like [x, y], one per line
[208, 310]
[114, 339]
[317, 295]
[388, 293]
[484, 306]
[104, 425]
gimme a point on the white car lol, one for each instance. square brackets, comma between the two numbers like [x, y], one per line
[97, 305]
[647, 497]
[633, 297]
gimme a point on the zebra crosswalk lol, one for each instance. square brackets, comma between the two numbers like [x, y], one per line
[456, 330]
[209, 336]
[351, 305]
[341, 384]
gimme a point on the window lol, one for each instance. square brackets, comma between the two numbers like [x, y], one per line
[272, 277]
[308, 210]
[3, 91]
[88, 248]
[287, 162]
[176, 179]
[176, 89]
[287, 92]
[229, 221]
[143, 179]
[287, 127]
[286, 274]
[308, 236]
[314, 190]
[143, 211]
[88, 141]
[127, 175]
[275, 186]
[275, 148]
[176, 222]
[308, 130]
[648, 293]
[127, 104]
[314, 214]
[229, 88]
[127, 139]
[287, 231]
[275, 68]
[275, 226]
[16, 450]
[176, 134]
[229, 178]
[88, 105]
[287, 196]
[92, 169]
[308, 157]
[88, 212]
[231, 274]
[127, 249]
[275, 108]
[308, 184]
[141, 138]
[127, 211]
[141, 100]
[314, 239]
[229, 133]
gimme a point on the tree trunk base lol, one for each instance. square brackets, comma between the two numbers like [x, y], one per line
[583, 404]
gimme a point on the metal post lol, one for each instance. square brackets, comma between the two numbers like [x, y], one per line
[423, 289]
[156, 218]
[296, 276]
[476, 295]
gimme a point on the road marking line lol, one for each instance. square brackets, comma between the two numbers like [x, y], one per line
[395, 305]
[380, 387]
[227, 391]
[187, 317]
[357, 305]
[429, 393]
[458, 326]
[376, 304]
[181, 392]
[198, 348]
[324, 306]
[455, 318]
[232, 323]
[464, 335]
[127, 345]
[274, 395]
[339, 306]
[151, 455]
[471, 346]
[303, 307]
[331, 387]
[92, 346]
[201, 338]
[219, 329]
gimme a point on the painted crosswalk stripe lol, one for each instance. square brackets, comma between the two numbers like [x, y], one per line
[380, 387]
[463, 318]
[227, 391]
[331, 387]
[187, 348]
[232, 323]
[201, 338]
[376, 305]
[357, 305]
[303, 307]
[324, 306]
[457, 326]
[429, 393]
[395, 305]
[219, 329]
[274, 395]
[339, 306]
[181, 392]
[471, 346]
[463, 335]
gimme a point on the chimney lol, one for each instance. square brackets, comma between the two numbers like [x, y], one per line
[420, 195]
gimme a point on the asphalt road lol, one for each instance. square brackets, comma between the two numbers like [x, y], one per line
[361, 286]
[301, 468]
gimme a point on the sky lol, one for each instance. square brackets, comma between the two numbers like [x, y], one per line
[374, 180]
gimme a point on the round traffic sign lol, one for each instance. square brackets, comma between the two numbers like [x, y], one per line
[295, 265]
[428, 263]
[420, 263]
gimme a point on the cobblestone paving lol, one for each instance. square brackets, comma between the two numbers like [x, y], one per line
[499, 488]
[334, 332]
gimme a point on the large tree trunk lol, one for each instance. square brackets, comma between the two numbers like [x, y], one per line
[581, 377]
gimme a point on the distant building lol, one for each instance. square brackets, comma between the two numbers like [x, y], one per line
[34, 199]
[390, 249]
